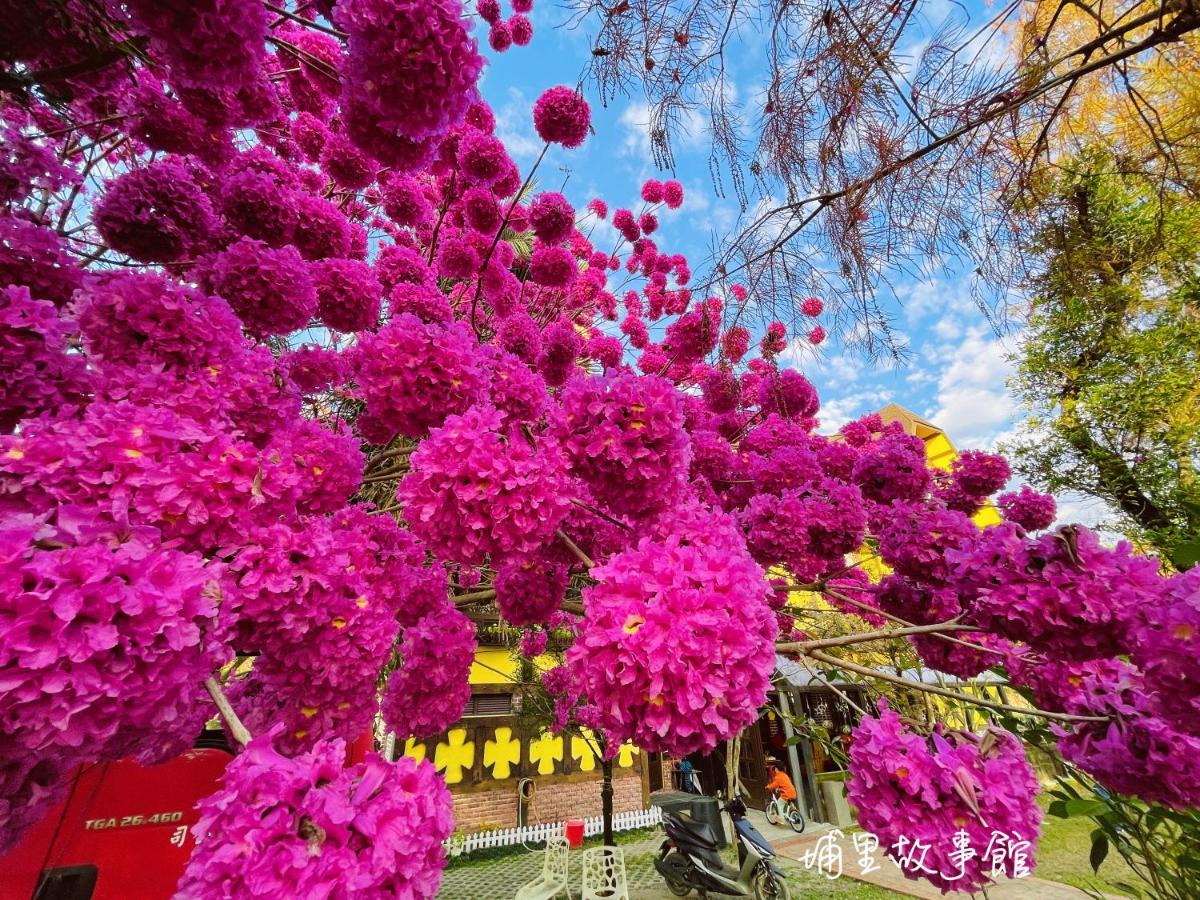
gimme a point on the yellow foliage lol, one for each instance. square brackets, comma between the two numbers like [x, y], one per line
[1135, 109]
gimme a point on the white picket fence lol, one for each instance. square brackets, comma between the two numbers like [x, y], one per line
[529, 834]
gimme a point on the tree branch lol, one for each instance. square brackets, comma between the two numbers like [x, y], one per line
[1186, 21]
[474, 597]
[945, 692]
[868, 636]
[236, 728]
[879, 612]
[574, 548]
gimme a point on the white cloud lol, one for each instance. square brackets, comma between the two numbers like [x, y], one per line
[934, 295]
[634, 121]
[836, 413]
[514, 126]
[948, 328]
[919, 376]
[690, 131]
[832, 371]
[973, 405]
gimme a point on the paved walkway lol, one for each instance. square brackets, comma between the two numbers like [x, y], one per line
[499, 879]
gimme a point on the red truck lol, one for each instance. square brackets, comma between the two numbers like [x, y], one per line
[123, 831]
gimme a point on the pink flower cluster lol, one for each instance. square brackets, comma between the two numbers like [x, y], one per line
[915, 538]
[534, 643]
[788, 393]
[809, 530]
[1062, 593]
[977, 653]
[156, 213]
[408, 77]
[428, 691]
[475, 491]
[1166, 646]
[677, 648]
[1133, 750]
[1027, 508]
[39, 374]
[348, 294]
[529, 589]
[893, 469]
[973, 476]
[623, 435]
[411, 376]
[213, 44]
[321, 603]
[149, 321]
[270, 289]
[1141, 756]
[308, 827]
[917, 792]
[108, 639]
[562, 116]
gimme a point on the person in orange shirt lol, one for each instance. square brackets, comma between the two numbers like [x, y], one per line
[779, 782]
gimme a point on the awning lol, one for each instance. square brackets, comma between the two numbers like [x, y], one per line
[799, 674]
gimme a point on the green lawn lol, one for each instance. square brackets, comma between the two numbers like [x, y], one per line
[1063, 856]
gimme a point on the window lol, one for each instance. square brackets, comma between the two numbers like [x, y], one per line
[69, 883]
[489, 705]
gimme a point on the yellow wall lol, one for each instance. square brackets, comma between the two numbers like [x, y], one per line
[497, 665]
[939, 452]
[493, 665]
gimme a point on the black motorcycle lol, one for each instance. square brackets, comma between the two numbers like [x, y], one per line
[688, 859]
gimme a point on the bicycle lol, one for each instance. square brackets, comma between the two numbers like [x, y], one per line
[782, 812]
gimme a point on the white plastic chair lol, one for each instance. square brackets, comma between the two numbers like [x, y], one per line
[555, 874]
[604, 874]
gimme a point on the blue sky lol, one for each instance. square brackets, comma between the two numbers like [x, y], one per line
[958, 368]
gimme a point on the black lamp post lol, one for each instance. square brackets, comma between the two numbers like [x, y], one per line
[606, 801]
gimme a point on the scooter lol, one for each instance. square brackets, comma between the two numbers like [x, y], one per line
[688, 859]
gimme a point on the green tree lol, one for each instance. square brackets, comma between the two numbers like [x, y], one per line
[1110, 365]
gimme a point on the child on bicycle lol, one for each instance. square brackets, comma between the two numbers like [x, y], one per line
[778, 782]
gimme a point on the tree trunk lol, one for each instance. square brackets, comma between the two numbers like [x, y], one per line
[606, 801]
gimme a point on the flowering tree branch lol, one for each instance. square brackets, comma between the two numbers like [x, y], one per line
[866, 607]
[500, 230]
[236, 728]
[574, 548]
[306, 23]
[863, 144]
[867, 672]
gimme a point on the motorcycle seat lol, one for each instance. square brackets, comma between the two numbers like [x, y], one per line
[701, 831]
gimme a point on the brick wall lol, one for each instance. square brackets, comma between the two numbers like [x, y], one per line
[669, 763]
[552, 802]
